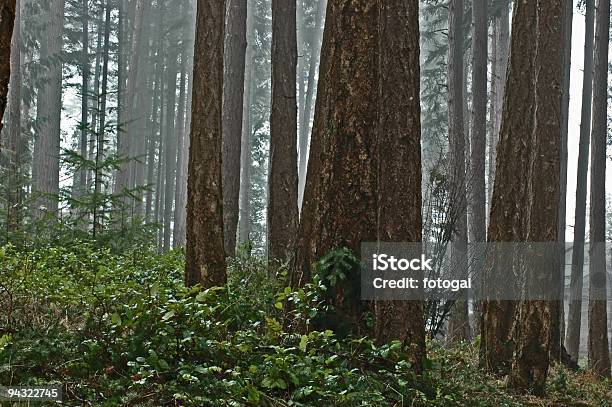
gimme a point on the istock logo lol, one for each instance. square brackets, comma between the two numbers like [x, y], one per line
[383, 262]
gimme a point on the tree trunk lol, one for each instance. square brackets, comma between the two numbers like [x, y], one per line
[180, 132]
[535, 317]
[46, 165]
[244, 226]
[282, 198]
[205, 257]
[81, 176]
[507, 221]
[7, 21]
[599, 353]
[399, 142]
[459, 324]
[100, 134]
[574, 319]
[233, 95]
[13, 204]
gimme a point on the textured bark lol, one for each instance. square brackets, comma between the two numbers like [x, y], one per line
[180, 159]
[459, 328]
[535, 323]
[13, 204]
[244, 226]
[509, 211]
[399, 142]
[45, 171]
[7, 21]
[81, 176]
[574, 321]
[315, 53]
[233, 95]
[181, 203]
[283, 177]
[205, 257]
[598, 351]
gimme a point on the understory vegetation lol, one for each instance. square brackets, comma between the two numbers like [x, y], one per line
[121, 329]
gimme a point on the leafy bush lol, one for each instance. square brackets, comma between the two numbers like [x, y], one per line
[123, 330]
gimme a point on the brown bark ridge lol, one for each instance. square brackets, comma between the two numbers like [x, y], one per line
[399, 174]
[46, 167]
[233, 94]
[534, 322]
[459, 327]
[283, 179]
[509, 211]
[598, 351]
[7, 22]
[205, 255]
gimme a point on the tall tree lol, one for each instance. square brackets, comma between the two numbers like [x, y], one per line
[205, 257]
[599, 353]
[459, 323]
[399, 141]
[233, 95]
[283, 179]
[507, 220]
[81, 178]
[535, 322]
[574, 320]
[15, 139]
[46, 166]
[7, 21]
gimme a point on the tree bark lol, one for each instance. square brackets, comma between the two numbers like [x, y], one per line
[7, 22]
[508, 217]
[13, 206]
[233, 95]
[205, 257]
[82, 174]
[459, 328]
[46, 167]
[399, 178]
[574, 320]
[282, 181]
[534, 324]
[598, 351]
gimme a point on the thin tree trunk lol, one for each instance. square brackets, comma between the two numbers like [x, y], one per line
[46, 165]
[535, 320]
[7, 21]
[13, 204]
[598, 351]
[233, 95]
[82, 174]
[244, 226]
[459, 324]
[399, 142]
[574, 321]
[205, 257]
[96, 94]
[282, 182]
[180, 132]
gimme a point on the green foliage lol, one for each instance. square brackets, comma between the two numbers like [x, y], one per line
[123, 330]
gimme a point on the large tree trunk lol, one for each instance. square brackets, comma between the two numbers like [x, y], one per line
[315, 53]
[7, 21]
[13, 204]
[459, 328]
[574, 320]
[233, 95]
[205, 257]
[507, 220]
[282, 198]
[399, 141]
[535, 317]
[599, 353]
[46, 167]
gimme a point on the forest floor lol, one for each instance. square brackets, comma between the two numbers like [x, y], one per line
[121, 329]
